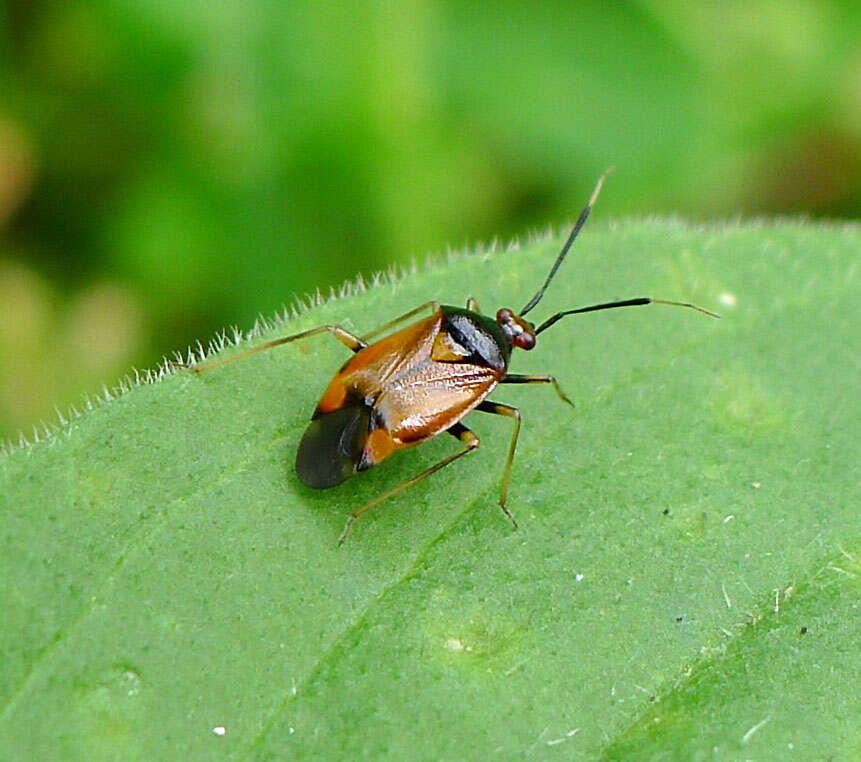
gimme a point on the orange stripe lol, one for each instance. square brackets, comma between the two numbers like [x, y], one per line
[334, 397]
[378, 446]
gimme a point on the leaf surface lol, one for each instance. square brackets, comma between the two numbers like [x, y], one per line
[685, 578]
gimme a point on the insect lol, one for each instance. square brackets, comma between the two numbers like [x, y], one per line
[420, 381]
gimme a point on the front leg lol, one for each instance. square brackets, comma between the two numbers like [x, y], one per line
[514, 378]
[497, 408]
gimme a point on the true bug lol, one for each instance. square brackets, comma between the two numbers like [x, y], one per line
[421, 381]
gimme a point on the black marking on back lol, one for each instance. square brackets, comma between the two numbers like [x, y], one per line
[332, 446]
[482, 336]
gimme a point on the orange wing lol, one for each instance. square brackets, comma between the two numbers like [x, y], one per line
[368, 371]
[413, 396]
[431, 398]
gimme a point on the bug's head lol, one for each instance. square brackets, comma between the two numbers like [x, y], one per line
[520, 332]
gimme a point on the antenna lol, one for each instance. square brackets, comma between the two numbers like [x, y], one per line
[581, 221]
[639, 301]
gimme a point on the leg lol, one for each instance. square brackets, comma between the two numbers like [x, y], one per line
[512, 412]
[345, 337]
[406, 316]
[472, 305]
[467, 437]
[514, 378]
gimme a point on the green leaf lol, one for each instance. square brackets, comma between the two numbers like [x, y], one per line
[684, 583]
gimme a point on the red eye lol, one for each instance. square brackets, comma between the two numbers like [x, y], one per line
[525, 340]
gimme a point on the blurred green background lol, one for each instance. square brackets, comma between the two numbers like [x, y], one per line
[170, 168]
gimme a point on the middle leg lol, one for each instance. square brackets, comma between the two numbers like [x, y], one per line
[434, 306]
[341, 334]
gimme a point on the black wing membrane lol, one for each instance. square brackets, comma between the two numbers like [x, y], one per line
[332, 446]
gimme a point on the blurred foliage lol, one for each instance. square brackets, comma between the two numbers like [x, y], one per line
[170, 168]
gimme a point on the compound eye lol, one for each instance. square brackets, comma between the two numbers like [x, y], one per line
[525, 340]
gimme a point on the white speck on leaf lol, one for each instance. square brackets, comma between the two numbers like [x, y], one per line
[746, 737]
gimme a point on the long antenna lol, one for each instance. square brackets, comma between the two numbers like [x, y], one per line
[581, 221]
[639, 301]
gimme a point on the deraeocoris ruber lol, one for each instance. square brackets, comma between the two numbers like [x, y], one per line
[420, 381]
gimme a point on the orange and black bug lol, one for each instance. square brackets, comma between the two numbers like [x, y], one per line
[420, 381]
